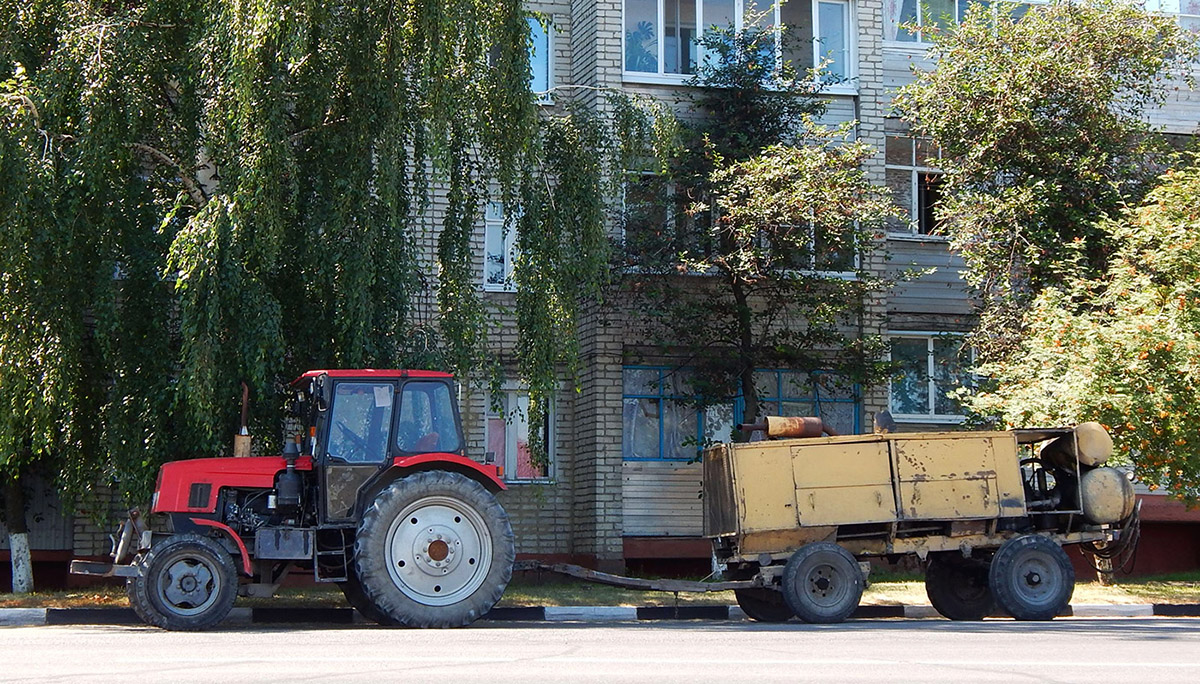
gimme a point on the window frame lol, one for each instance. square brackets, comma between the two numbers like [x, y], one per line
[737, 404]
[513, 393]
[930, 397]
[914, 171]
[494, 219]
[848, 86]
[547, 28]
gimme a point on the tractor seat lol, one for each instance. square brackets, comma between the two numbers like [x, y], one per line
[428, 443]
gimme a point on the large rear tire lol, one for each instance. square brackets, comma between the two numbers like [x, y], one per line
[435, 549]
[357, 598]
[188, 583]
[958, 587]
[1032, 578]
[763, 605]
[822, 583]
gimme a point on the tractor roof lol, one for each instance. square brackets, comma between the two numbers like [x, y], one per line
[386, 373]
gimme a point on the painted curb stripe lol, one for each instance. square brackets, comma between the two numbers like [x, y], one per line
[591, 613]
[22, 617]
[683, 613]
[1177, 610]
[335, 616]
[532, 613]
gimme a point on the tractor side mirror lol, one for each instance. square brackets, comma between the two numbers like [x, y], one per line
[322, 391]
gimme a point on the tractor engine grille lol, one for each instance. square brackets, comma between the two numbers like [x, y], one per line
[198, 494]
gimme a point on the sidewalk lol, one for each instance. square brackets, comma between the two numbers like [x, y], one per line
[30, 617]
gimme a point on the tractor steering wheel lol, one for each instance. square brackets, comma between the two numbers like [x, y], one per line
[357, 444]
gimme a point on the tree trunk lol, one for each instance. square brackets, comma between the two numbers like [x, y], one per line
[18, 536]
[746, 354]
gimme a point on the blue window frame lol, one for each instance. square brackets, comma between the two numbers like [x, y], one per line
[662, 423]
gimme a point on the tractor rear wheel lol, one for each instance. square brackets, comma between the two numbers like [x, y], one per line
[822, 583]
[1032, 577]
[357, 598]
[435, 549]
[188, 583]
[763, 605]
[958, 587]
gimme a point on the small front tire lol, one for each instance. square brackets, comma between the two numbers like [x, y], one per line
[188, 583]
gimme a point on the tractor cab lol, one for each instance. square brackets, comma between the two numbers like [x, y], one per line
[363, 422]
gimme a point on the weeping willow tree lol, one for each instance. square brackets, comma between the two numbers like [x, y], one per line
[200, 193]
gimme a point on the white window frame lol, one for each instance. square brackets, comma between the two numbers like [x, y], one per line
[516, 405]
[920, 44]
[494, 221]
[847, 87]
[930, 399]
[543, 98]
[915, 171]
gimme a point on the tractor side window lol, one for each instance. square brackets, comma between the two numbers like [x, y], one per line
[360, 421]
[427, 421]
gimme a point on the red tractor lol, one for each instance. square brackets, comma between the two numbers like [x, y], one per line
[375, 495]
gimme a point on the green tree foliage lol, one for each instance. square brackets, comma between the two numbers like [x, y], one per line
[1123, 349]
[196, 193]
[1041, 124]
[766, 205]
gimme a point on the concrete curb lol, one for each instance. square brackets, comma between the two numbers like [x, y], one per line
[30, 617]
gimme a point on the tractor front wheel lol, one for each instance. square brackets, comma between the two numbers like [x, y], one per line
[435, 549]
[188, 583]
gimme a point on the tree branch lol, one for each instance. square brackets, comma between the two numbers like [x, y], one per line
[193, 189]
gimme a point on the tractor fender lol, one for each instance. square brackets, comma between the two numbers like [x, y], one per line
[233, 536]
[486, 475]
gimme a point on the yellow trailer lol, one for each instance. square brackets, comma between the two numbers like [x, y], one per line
[988, 511]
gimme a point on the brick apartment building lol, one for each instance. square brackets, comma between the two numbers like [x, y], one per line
[619, 491]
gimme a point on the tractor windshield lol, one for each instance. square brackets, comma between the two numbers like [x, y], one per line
[361, 421]
[427, 419]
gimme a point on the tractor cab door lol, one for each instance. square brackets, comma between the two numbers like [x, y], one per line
[428, 421]
[358, 437]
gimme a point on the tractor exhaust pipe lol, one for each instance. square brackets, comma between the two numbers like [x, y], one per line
[241, 441]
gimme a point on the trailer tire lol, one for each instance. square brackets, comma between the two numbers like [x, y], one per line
[958, 588]
[763, 605]
[435, 549]
[1032, 578]
[822, 583]
[188, 583]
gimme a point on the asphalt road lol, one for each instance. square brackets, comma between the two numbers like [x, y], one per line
[1068, 650]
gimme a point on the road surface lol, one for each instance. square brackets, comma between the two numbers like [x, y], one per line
[1067, 650]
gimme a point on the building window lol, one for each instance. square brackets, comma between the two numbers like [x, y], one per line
[541, 59]
[940, 13]
[665, 420]
[931, 368]
[915, 181]
[661, 36]
[499, 250]
[507, 437]
[796, 393]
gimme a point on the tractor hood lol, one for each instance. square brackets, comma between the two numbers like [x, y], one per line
[192, 486]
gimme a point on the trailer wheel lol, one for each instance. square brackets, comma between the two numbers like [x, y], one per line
[763, 605]
[822, 583]
[435, 549]
[188, 583]
[958, 588]
[1032, 578]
